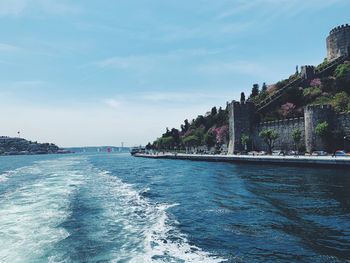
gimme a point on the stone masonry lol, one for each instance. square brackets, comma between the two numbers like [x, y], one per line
[338, 42]
[241, 122]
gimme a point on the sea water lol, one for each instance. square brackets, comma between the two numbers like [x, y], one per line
[117, 208]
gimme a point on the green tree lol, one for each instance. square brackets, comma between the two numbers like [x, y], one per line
[296, 135]
[242, 97]
[245, 140]
[269, 136]
[255, 91]
[323, 130]
[210, 139]
[341, 101]
[191, 140]
[214, 111]
[342, 76]
[343, 71]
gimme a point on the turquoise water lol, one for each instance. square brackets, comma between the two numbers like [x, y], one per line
[116, 208]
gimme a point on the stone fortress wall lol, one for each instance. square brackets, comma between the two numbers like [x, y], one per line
[338, 42]
[313, 115]
[284, 128]
[242, 115]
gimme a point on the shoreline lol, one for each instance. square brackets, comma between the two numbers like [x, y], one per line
[339, 161]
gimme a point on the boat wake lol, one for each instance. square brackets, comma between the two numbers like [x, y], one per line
[68, 211]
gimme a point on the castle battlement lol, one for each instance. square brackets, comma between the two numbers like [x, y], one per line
[243, 117]
[318, 107]
[338, 42]
[281, 122]
[339, 28]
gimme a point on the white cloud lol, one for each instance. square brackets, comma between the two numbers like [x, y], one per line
[8, 47]
[12, 7]
[181, 97]
[23, 84]
[262, 10]
[136, 63]
[92, 124]
[147, 62]
[237, 67]
[22, 7]
[113, 103]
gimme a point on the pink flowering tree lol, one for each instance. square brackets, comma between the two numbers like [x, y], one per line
[315, 82]
[222, 134]
[288, 110]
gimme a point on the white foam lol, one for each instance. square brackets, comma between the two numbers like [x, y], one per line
[30, 214]
[161, 239]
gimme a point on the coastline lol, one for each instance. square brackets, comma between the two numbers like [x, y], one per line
[300, 160]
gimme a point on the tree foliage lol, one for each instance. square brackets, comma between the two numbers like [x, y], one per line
[269, 136]
[341, 101]
[245, 140]
[323, 130]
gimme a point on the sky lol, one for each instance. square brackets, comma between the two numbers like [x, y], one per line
[98, 72]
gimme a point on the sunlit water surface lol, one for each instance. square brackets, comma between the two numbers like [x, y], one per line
[116, 208]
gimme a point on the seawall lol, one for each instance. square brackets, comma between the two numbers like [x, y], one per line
[316, 161]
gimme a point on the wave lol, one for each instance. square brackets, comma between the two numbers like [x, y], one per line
[120, 224]
[162, 241]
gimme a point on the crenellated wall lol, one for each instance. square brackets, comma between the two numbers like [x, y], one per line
[284, 128]
[338, 42]
[242, 123]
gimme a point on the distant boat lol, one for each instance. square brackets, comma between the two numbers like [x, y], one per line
[136, 150]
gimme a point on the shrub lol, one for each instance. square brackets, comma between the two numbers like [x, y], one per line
[269, 136]
[245, 140]
[341, 101]
[311, 93]
[323, 130]
[191, 140]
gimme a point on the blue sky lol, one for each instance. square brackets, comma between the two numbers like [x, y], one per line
[98, 72]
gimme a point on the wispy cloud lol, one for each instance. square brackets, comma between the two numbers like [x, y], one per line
[22, 7]
[139, 63]
[112, 103]
[148, 62]
[12, 7]
[8, 47]
[172, 99]
[236, 67]
[272, 9]
[23, 85]
[185, 97]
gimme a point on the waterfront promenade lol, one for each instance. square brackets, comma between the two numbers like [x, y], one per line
[301, 160]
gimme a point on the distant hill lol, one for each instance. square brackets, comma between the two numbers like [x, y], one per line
[20, 146]
[284, 99]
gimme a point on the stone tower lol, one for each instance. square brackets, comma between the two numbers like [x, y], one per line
[338, 42]
[241, 122]
[313, 115]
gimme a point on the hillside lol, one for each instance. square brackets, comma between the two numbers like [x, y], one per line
[284, 99]
[16, 146]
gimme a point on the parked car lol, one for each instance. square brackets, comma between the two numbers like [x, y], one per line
[253, 153]
[319, 153]
[341, 153]
[277, 152]
[293, 153]
[262, 153]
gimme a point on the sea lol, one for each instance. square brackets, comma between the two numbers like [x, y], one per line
[100, 207]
